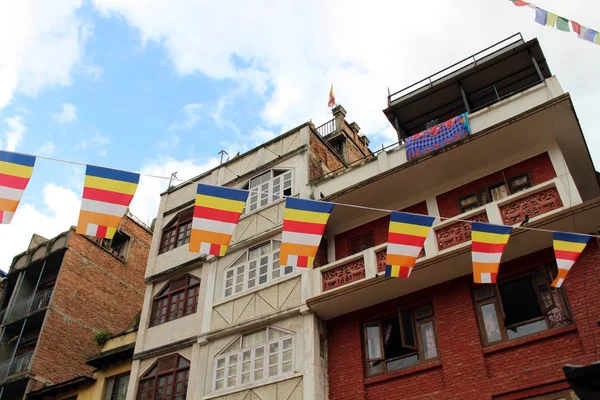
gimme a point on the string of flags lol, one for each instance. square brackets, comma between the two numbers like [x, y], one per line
[107, 194]
[548, 18]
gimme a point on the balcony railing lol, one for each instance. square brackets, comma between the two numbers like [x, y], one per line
[327, 128]
[447, 236]
[15, 366]
[28, 305]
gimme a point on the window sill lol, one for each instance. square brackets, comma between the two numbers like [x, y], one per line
[529, 339]
[405, 372]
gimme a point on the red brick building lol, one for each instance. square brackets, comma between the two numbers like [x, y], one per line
[59, 294]
[437, 335]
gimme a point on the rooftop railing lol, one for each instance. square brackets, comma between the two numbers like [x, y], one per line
[28, 305]
[327, 128]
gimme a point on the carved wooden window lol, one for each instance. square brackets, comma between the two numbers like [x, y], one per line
[166, 379]
[400, 341]
[520, 307]
[268, 188]
[256, 267]
[254, 357]
[177, 299]
[361, 242]
[177, 232]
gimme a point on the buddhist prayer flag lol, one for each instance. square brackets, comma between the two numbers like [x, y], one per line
[331, 98]
[541, 16]
[15, 172]
[405, 240]
[304, 222]
[562, 24]
[488, 243]
[520, 3]
[567, 248]
[551, 19]
[576, 27]
[217, 212]
[590, 35]
[107, 194]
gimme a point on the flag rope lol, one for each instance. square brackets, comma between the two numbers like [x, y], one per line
[383, 210]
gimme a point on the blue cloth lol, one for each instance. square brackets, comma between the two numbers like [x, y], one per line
[590, 35]
[541, 16]
[437, 136]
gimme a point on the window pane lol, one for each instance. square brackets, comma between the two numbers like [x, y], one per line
[108, 388]
[428, 340]
[408, 333]
[553, 301]
[276, 334]
[254, 338]
[527, 329]
[402, 363]
[519, 300]
[392, 343]
[121, 391]
[373, 342]
[490, 322]
[259, 251]
[375, 367]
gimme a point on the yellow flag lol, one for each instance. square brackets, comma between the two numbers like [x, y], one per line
[551, 19]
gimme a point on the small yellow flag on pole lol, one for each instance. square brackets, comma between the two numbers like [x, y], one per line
[331, 98]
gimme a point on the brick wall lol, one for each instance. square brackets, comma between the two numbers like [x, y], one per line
[539, 167]
[94, 291]
[321, 158]
[526, 367]
[379, 227]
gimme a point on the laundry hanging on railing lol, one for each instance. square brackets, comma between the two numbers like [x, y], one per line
[437, 136]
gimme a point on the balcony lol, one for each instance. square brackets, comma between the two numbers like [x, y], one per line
[356, 281]
[16, 366]
[29, 305]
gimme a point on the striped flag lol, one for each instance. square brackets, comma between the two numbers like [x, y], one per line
[15, 172]
[488, 242]
[405, 240]
[567, 248]
[106, 197]
[217, 211]
[304, 222]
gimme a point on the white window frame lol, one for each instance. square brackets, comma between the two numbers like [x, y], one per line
[273, 347]
[244, 267]
[270, 191]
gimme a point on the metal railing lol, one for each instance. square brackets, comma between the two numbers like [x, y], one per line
[327, 128]
[28, 305]
[15, 366]
[454, 68]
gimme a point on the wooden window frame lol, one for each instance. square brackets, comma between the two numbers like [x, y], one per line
[496, 299]
[515, 189]
[186, 305]
[271, 190]
[181, 223]
[416, 322]
[160, 373]
[116, 379]
[470, 207]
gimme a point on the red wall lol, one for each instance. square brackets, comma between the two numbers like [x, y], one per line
[520, 368]
[539, 167]
[379, 227]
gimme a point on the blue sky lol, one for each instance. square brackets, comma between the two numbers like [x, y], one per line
[160, 87]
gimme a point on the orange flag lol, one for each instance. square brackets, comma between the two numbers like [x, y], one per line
[331, 98]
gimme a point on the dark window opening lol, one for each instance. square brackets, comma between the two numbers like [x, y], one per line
[400, 341]
[117, 245]
[519, 183]
[521, 307]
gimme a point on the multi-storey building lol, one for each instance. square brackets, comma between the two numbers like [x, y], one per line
[242, 327]
[60, 293]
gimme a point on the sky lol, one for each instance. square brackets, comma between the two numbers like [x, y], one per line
[162, 86]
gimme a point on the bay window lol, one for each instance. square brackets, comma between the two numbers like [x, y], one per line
[268, 188]
[176, 299]
[256, 267]
[177, 232]
[166, 379]
[253, 357]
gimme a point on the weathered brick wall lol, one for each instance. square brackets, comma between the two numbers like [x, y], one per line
[359, 144]
[379, 227]
[539, 167]
[525, 367]
[321, 158]
[94, 291]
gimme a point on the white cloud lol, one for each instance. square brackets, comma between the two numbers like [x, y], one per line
[147, 197]
[94, 141]
[41, 43]
[46, 149]
[191, 115]
[13, 135]
[93, 71]
[292, 53]
[60, 211]
[67, 115]
[169, 141]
